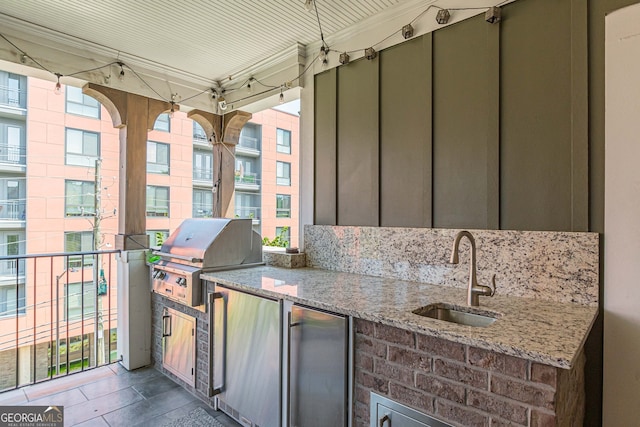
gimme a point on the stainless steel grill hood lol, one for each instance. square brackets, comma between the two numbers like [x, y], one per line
[200, 245]
[210, 243]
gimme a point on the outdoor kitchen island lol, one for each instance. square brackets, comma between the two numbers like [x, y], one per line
[525, 369]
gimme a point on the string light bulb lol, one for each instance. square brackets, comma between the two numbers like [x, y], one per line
[249, 85]
[172, 112]
[443, 16]
[344, 58]
[370, 53]
[121, 75]
[281, 96]
[58, 88]
[308, 4]
[23, 58]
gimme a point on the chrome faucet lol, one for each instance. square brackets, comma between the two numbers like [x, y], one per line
[474, 290]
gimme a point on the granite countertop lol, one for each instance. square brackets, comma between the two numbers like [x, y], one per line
[547, 332]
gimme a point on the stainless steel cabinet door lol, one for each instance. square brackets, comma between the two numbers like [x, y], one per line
[248, 339]
[179, 344]
[318, 368]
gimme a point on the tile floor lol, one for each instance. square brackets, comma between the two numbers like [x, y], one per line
[112, 396]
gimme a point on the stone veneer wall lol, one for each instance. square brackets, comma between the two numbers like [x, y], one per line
[460, 384]
[556, 266]
[158, 303]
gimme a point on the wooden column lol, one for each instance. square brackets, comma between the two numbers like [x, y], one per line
[224, 133]
[134, 115]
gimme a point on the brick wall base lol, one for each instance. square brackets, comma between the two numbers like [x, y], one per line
[463, 385]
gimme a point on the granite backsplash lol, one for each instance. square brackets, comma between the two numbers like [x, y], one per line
[556, 266]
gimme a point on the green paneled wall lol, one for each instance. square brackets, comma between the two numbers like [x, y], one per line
[476, 125]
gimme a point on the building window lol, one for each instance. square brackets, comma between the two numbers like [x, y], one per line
[283, 141]
[247, 170]
[202, 165]
[283, 206]
[79, 241]
[247, 205]
[81, 104]
[79, 198]
[157, 157]
[157, 201]
[13, 90]
[157, 237]
[12, 300]
[251, 137]
[12, 245]
[12, 142]
[283, 173]
[80, 300]
[163, 123]
[202, 203]
[82, 147]
[198, 133]
[285, 235]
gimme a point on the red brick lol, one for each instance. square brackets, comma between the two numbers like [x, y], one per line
[416, 399]
[371, 346]
[364, 361]
[393, 372]
[542, 419]
[372, 382]
[496, 422]
[461, 373]
[529, 393]
[364, 327]
[440, 347]
[497, 406]
[395, 335]
[438, 387]
[451, 412]
[544, 374]
[410, 359]
[361, 412]
[362, 395]
[507, 365]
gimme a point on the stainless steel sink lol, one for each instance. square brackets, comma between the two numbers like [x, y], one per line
[454, 314]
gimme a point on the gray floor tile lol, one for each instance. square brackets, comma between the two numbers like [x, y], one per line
[67, 399]
[156, 387]
[118, 382]
[102, 405]
[93, 422]
[13, 397]
[57, 385]
[150, 408]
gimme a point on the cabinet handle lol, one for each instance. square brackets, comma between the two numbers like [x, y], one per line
[213, 298]
[384, 420]
[166, 320]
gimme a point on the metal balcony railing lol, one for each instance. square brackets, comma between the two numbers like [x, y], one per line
[247, 178]
[13, 209]
[56, 319]
[13, 154]
[202, 174]
[247, 212]
[13, 97]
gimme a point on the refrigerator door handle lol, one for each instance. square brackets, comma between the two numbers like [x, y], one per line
[219, 337]
[383, 420]
[288, 405]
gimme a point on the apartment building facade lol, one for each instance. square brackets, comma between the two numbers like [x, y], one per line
[59, 160]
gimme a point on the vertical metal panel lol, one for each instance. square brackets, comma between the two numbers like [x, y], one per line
[536, 149]
[460, 125]
[325, 168]
[579, 117]
[405, 134]
[358, 143]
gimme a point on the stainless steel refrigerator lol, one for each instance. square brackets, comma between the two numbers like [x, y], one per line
[247, 355]
[318, 368]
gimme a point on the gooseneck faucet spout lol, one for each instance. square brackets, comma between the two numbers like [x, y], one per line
[474, 290]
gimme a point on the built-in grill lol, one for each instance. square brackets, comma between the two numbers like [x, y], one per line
[200, 245]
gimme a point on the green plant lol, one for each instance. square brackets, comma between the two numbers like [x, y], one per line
[279, 241]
